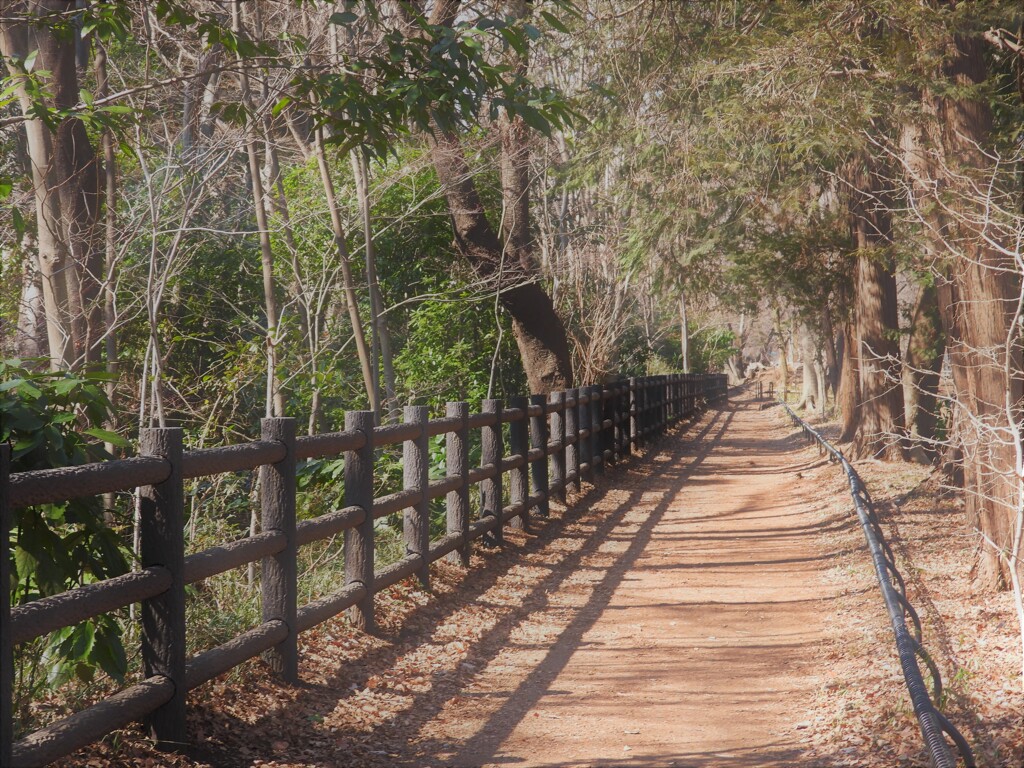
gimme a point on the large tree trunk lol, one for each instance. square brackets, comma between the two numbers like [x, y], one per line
[880, 430]
[829, 344]
[921, 369]
[987, 288]
[66, 183]
[978, 293]
[509, 269]
[848, 396]
[539, 331]
[810, 395]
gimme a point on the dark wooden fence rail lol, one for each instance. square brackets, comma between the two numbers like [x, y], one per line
[553, 444]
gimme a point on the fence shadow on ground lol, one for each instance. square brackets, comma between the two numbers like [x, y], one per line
[405, 736]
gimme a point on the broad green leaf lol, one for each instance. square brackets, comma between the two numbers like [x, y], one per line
[107, 436]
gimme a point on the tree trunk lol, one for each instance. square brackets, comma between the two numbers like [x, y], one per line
[921, 370]
[809, 396]
[684, 331]
[540, 334]
[783, 360]
[829, 344]
[351, 300]
[382, 357]
[66, 185]
[978, 296]
[509, 269]
[986, 287]
[274, 394]
[30, 336]
[848, 397]
[881, 405]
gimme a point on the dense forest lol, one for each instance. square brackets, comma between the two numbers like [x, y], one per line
[218, 210]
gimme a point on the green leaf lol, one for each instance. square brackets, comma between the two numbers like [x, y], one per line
[534, 119]
[554, 22]
[65, 385]
[18, 221]
[107, 436]
[281, 105]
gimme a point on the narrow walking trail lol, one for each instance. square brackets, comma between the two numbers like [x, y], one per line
[689, 638]
[673, 616]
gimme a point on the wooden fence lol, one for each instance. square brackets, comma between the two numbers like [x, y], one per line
[553, 442]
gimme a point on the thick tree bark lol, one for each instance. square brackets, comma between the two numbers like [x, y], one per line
[539, 331]
[66, 183]
[880, 430]
[921, 369]
[811, 394]
[848, 396]
[509, 267]
[829, 346]
[978, 293]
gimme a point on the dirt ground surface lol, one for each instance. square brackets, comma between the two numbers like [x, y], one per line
[710, 604]
[686, 637]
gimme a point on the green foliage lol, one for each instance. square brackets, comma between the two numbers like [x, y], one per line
[49, 418]
[432, 77]
[710, 348]
[449, 351]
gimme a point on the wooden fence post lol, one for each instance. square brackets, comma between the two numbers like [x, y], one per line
[491, 453]
[644, 407]
[518, 445]
[663, 396]
[633, 438]
[6, 646]
[610, 436]
[596, 430]
[659, 405]
[677, 411]
[162, 543]
[617, 428]
[572, 432]
[539, 468]
[416, 476]
[359, 540]
[655, 400]
[280, 581]
[457, 465]
[558, 436]
[583, 411]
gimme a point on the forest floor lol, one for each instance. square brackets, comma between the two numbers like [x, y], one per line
[712, 605]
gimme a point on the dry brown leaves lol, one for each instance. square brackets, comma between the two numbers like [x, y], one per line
[863, 712]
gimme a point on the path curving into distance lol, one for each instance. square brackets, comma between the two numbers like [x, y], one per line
[672, 617]
[688, 637]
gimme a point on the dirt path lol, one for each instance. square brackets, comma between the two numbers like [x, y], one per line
[672, 617]
[688, 637]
